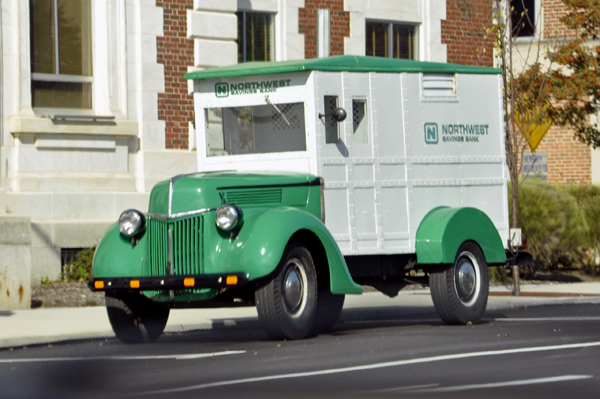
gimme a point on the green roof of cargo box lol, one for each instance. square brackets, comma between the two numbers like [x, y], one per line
[342, 63]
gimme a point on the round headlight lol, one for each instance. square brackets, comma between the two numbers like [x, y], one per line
[228, 216]
[131, 222]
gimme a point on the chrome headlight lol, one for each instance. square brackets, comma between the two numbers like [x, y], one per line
[131, 222]
[228, 216]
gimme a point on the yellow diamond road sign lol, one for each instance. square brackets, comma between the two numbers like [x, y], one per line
[533, 131]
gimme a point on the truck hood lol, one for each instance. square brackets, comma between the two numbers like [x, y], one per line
[187, 193]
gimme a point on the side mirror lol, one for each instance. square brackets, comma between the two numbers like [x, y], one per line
[338, 114]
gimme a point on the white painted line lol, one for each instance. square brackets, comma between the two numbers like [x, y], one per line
[508, 383]
[393, 321]
[157, 357]
[574, 318]
[511, 319]
[416, 388]
[375, 366]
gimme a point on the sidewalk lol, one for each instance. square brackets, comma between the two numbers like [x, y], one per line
[47, 325]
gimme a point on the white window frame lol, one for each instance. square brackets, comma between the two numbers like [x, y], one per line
[390, 29]
[109, 64]
[536, 22]
[273, 31]
[64, 78]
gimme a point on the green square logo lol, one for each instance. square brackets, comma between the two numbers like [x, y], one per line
[222, 89]
[431, 133]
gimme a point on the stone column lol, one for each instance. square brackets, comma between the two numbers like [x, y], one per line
[15, 260]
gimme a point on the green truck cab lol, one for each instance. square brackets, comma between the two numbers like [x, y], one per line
[406, 189]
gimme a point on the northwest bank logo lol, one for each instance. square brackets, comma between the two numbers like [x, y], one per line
[225, 89]
[431, 133]
[222, 89]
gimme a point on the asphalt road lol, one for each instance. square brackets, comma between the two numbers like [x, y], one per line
[550, 352]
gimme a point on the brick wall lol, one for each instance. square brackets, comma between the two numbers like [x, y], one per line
[553, 28]
[176, 52]
[569, 161]
[339, 25]
[463, 32]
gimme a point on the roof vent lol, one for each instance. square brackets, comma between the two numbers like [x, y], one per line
[438, 86]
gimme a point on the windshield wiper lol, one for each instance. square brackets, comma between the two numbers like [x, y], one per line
[278, 110]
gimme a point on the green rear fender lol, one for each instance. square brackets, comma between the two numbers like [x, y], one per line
[444, 229]
[115, 256]
[259, 247]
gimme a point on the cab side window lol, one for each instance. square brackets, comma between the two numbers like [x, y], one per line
[332, 134]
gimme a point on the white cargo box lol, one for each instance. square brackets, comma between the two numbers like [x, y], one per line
[417, 136]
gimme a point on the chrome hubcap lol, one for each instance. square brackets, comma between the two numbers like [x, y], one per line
[293, 287]
[466, 278]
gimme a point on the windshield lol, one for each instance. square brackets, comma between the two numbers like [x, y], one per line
[255, 129]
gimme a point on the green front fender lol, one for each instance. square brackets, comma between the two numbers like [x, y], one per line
[444, 229]
[116, 257]
[261, 242]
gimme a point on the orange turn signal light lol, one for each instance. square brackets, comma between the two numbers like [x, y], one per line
[189, 282]
[231, 280]
[134, 283]
[99, 285]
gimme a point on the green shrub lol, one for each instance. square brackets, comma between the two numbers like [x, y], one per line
[588, 200]
[554, 225]
[80, 270]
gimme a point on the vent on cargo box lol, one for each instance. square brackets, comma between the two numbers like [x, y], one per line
[438, 86]
[254, 197]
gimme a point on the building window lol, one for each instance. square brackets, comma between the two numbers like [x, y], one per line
[523, 18]
[255, 37]
[392, 40]
[61, 53]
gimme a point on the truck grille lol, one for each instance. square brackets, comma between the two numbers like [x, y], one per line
[187, 245]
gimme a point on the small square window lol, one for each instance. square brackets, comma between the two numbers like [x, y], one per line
[391, 40]
[360, 121]
[332, 135]
[523, 18]
[255, 37]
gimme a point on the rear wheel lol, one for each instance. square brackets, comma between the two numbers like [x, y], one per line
[134, 318]
[286, 301]
[460, 291]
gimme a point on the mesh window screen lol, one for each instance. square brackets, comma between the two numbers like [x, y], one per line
[331, 127]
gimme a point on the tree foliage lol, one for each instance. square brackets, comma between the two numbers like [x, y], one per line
[574, 81]
[526, 96]
[555, 80]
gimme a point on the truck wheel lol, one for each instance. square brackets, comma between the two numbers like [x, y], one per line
[460, 291]
[286, 301]
[329, 308]
[134, 318]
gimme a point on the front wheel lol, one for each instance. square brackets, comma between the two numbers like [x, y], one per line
[286, 301]
[460, 291]
[329, 308]
[134, 318]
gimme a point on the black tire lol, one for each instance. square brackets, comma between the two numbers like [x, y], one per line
[460, 291]
[329, 308]
[286, 301]
[134, 318]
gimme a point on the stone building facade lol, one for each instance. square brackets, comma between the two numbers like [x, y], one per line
[94, 109]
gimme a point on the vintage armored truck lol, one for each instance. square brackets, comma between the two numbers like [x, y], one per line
[316, 177]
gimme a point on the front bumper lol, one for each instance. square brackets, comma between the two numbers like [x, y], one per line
[169, 282]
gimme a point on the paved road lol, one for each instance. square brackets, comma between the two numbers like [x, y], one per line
[548, 351]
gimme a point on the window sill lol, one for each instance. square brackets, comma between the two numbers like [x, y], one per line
[33, 125]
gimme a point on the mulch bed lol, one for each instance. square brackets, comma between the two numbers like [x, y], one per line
[65, 295]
